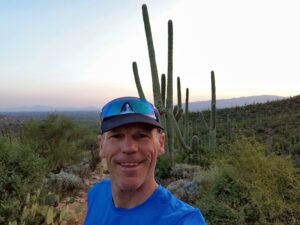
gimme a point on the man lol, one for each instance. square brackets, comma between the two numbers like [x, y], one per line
[131, 141]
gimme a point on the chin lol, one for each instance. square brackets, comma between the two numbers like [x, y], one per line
[129, 184]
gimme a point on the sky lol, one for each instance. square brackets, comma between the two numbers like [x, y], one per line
[75, 53]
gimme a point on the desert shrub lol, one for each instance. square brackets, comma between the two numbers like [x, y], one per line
[81, 169]
[56, 139]
[163, 168]
[64, 182]
[186, 190]
[250, 187]
[90, 143]
[21, 169]
[184, 184]
[184, 171]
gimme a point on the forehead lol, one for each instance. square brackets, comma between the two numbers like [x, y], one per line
[133, 127]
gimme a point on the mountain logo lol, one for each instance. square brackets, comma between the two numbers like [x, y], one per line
[126, 108]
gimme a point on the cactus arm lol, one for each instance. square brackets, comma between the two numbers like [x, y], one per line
[137, 80]
[163, 89]
[175, 111]
[179, 114]
[179, 103]
[154, 73]
[177, 131]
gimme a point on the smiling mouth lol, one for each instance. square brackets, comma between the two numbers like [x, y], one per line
[129, 164]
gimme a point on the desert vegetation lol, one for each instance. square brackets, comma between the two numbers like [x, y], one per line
[238, 165]
[43, 161]
[250, 177]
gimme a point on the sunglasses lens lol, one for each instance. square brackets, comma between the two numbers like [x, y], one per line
[128, 105]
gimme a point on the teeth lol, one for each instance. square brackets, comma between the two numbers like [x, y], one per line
[129, 164]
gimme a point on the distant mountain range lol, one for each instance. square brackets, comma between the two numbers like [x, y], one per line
[39, 108]
[233, 102]
[193, 106]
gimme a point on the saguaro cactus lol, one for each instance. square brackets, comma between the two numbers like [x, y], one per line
[168, 119]
[154, 73]
[212, 130]
[186, 116]
[169, 101]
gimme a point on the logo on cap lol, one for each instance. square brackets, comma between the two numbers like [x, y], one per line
[126, 108]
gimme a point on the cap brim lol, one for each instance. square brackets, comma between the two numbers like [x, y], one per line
[120, 120]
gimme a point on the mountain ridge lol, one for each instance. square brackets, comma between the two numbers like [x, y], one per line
[233, 102]
[193, 106]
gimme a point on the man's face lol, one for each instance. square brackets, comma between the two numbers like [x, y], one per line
[131, 152]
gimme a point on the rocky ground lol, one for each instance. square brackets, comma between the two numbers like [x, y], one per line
[79, 207]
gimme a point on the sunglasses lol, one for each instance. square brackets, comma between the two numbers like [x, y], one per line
[126, 105]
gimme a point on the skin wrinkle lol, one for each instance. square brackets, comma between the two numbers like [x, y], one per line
[159, 132]
[135, 143]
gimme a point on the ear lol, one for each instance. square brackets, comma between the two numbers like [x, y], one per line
[161, 140]
[100, 142]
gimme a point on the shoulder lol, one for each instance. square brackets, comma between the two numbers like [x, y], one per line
[178, 210]
[98, 201]
[172, 201]
[100, 187]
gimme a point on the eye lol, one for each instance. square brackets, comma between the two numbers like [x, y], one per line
[115, 136]
[142, 135]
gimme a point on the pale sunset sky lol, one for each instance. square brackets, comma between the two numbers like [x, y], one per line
[75, 53]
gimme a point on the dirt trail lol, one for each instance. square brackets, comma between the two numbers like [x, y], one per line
[80, 203]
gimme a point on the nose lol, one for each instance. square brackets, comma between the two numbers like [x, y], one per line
[129, 146]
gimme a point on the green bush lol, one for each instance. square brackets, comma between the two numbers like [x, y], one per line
[90, 143]
[21, 170]
[57, 139]
[163, 168]
[64, 182]
[184, 171]
[250, 187]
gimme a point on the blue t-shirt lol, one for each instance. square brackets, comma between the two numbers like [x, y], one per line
[161, 208]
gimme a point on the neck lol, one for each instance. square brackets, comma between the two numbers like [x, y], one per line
[127, 199]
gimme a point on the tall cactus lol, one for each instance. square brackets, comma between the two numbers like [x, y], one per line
[212, 130]
[169, 101]
[186, 117]
[168, 119]
[154, 73]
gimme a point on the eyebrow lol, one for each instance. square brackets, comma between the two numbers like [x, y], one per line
[143, 128]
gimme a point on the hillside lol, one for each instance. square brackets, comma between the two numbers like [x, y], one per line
[56, 139]
[233, 102]
[276, 124]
